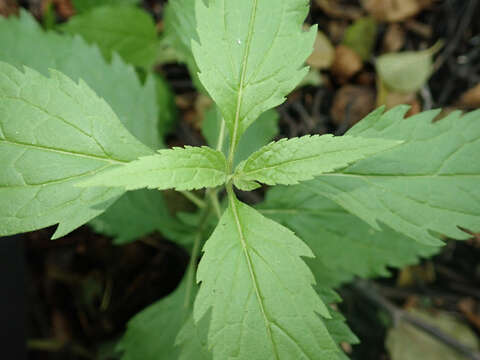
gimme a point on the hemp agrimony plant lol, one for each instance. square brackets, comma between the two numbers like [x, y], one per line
[381, 195]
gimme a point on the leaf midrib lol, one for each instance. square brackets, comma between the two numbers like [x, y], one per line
[291, 161]
[251, 271]
[246, 174]
[243, 75]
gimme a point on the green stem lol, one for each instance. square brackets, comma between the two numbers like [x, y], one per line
[221, 136]
[194, 199]
[213, 195]
[193, 257]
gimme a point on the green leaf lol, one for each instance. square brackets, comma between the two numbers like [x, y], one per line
[136, 214]
[135, 104]
[192, 340]
[180, 29]
[339, 330]
[173, 315]
[408, 71]
[186, 168]
[424, 187]
[259, 134]
[336, 326]
[166, 103]
[126, 30]
[82, 6]
[289, 161]
[361, 37]
[344, 246]
[259, 292]
[250, 55]
[39, 166]
[151, 333]
[323, 54]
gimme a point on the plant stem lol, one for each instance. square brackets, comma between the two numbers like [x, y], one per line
[213, 195]
[194, 199]
[194, 255]
[221, 136]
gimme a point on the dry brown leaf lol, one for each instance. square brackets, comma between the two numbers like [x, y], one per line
[346, 64]
[471, 98]
[336, 9]
[365, 78]
[421, 29]
[352, 103]
[394, 38]
[394, 10]
[323, 53]
[468, 308]
[391, 99]
[8, 7]
[64, 8]
[336, 30]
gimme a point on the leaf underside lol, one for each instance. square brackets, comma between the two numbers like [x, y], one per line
[136, 214]
[180, 30]
[290, 161]
[344, 246]
[142, 340]
[426, 186]
[259, 292]
[186, 168]
[126, 30]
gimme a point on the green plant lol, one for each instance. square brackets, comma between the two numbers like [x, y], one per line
[382, 195]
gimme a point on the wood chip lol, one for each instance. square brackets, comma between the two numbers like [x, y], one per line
[8, 7]
[336, 9]
[323, 53]
[471, 98]
[394, 10]
[346, 64]
[394, 38]
[351, 104]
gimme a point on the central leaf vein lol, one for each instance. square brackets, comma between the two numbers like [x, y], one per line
[243, 75]
[251, 271]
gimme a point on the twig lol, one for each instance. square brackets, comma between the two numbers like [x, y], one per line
[369, 291]
[463, 25]
[292, 126]
[427, 98]
[194, 199]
